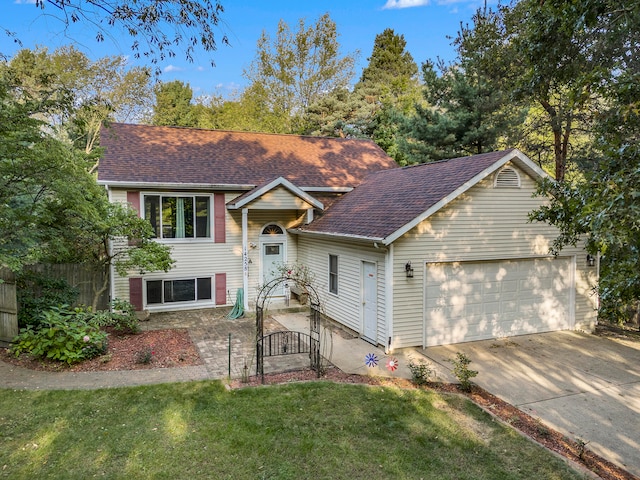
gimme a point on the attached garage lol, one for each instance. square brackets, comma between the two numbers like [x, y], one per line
[468, 301]
[462, 259]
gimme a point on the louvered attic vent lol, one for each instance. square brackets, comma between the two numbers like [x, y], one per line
[507, 178]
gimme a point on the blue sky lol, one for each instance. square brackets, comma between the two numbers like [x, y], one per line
[425, 24]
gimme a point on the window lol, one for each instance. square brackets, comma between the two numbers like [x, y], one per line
[333, 274]
[171, 291]
[272, 230]
[185, 216]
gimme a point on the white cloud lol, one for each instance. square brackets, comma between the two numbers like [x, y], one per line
[404, 4]
[24, 2]
[171, 68]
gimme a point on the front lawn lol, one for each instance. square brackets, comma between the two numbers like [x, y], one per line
[296, 431]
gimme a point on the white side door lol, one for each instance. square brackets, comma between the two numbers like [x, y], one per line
[369, 302]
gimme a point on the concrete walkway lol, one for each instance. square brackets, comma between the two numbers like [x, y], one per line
[584, 386]
[226, 347]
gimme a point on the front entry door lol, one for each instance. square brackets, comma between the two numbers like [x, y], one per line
[272, 261]
[369, 302]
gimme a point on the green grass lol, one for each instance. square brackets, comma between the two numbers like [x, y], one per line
[296, 431]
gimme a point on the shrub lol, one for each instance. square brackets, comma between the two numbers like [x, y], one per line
[462, 372]
[122, 317]
[420, 372]
[62, 335]
[144, 356]
[37, 292]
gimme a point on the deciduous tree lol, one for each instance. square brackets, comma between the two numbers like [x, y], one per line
[296, 68]
[51, 208]
[602, 207]
[86, 93]
[156, 28]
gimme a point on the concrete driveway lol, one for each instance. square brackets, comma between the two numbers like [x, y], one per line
[584, 386]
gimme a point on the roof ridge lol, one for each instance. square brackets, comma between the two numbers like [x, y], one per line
[444, 160]
[216, 130]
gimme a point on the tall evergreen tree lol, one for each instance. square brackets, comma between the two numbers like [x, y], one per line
[388, 86]
[390, 63]
[173, 106]
[531, 54]
[465, 115]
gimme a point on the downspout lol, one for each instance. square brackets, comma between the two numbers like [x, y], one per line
[112, 270]
[245, 257]
[388, 309]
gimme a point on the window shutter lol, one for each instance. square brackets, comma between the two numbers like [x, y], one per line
[219, 211]
[221, 288]
[134, 199]
[135, 292]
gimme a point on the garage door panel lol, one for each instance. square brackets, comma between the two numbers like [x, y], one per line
[483, 300]
[509, 286]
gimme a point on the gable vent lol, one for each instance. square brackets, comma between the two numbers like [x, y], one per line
[507, 178]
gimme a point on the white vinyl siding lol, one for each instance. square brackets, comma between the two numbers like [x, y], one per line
[279, 199]
[485, 223]
[257, 220]
[346, 306]
[197, 258]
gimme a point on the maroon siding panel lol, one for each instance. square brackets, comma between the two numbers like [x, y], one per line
[135, 293]
[134, 199]
[221, 288]
[219, 210]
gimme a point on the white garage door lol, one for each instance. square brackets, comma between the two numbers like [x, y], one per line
[470, 301]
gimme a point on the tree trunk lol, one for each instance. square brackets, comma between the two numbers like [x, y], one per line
[97, 292]
[560, 139]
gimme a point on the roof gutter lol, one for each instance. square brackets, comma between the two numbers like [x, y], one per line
[342, 236]
[176, 185]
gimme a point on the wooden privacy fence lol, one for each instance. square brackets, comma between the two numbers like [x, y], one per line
[76, 275]
[79, 276]
[8, 306]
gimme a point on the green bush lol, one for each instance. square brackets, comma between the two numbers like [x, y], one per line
[145, 356]
[63, 335]
[37, 292]
[420, 372]
[122, 317]
[462, 371]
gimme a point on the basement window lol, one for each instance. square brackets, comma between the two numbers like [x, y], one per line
[172, 291]
[508, 177]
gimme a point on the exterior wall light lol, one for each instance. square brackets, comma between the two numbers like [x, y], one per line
[591, 260]
[408, 269]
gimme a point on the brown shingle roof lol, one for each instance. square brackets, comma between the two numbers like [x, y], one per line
[386, 201]
[142, 153]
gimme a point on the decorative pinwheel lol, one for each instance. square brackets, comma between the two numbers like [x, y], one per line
[392, 364]
[371, 360]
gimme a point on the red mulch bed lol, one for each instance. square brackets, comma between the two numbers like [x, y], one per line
[174, 348]
[169, 348]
